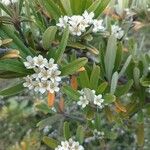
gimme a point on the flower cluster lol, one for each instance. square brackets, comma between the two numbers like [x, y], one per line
[70, 145]
[85, 99]
[8, 2]
[117, 31]
[98, 134]
[78, 24]
[46, 76]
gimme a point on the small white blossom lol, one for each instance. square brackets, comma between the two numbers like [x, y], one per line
[98, 100]
[88, 17]
[29, 64]
[83, 101]
[63, 21]
[98, 134]
[117, 31]
[39, 61]
[69, 145]
[98, 25]
[8, 2]
[28, 82]
[46, 76]
[89, 96]
[78, 24]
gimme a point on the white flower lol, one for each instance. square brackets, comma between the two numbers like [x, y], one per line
[28, 83]
[88, 17]
[39, 61]
[98, 134]
[8, 2]
[83, 101]
[69, 145]
[29, 64]
[117, 31]
[78, 24]
[98, 25]
[55, 75]
[63, 21]
[51, 65]
[98, 100]
[46, 76]
[53, 87]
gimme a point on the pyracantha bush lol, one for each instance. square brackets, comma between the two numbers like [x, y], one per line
[87, 63]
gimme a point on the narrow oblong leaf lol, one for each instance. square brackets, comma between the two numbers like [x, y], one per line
[101, 88]
[13, 90]
[14, 66]
[94, 6]
[21, 47]
[71, 93]
[95, 76]
[110, 56]
[60, 51]
[67, 6]
[114, 82]
[109, 98]
[80, 134]
[66, 130]
[73, 66]
[50, 142]
[125, 66]
[84, 79]
[123, 89]
[101, 7]
[49, 36]
[52, 8]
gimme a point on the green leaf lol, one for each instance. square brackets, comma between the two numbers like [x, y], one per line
[66, 130]
[95, 76]
[5, 9]
[109, 98]
[63, 44]
[50, 142]
[84, 79]
[145, 82]
[43, 107]
[76, 6]
[94, 6]
[22, 48]
[49, 36]
[101, 7]
[10, 75]
[110, 56]
[49, 121]
[119, 56]
[114, 82]
[136, 75]
[97, 121]
[14, 66]
[70, 92]
[52, 8]
[80, 134]
[123, 89]
[67, 6]
[73, 66]
[140, 134]
[13, 90]
[102, 87]
[126, 64]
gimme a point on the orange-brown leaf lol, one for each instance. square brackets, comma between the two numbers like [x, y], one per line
[51, 99]
[74, 83]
